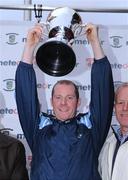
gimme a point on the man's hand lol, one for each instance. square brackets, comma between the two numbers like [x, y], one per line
[91, 32]
[92, 36]
[33, 37]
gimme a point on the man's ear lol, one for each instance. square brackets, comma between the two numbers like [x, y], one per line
[79, 102]
[114, 108]
[51, 102]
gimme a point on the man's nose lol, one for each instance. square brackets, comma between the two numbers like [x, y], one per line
[125, 107]
[63, 101]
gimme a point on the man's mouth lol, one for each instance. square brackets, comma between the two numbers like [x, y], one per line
[124, 115]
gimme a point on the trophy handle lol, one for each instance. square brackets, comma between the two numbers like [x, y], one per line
[78, 32]
[46, 25]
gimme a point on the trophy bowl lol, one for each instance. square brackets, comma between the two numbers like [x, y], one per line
[56, 57]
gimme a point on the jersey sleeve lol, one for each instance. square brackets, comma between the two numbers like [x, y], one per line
[102, 99]
[27, 100]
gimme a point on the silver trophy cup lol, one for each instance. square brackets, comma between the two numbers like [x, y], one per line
[56, 57]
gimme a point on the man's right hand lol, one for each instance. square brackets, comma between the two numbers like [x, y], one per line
[33, 37]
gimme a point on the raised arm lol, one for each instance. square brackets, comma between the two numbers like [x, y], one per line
[102, 90]
[26, 90]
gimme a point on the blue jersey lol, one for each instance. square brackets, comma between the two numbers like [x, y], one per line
[65, 150]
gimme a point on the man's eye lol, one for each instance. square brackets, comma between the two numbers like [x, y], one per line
[120, 102]
[70, 97]
[57, 97]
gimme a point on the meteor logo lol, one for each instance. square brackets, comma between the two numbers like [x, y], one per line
[116, 41]
[12, 38]
[9, 84]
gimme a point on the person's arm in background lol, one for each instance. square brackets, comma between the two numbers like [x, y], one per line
[19, 170]
[12, 159]
[26, 89]
[102, 90]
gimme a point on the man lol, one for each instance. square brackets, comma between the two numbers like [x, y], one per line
[114, 155]
[12, 159]
[65, 146]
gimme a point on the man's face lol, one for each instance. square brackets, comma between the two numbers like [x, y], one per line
[121, 108]
[64, 101]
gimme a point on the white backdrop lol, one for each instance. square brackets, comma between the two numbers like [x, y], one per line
[114, 40]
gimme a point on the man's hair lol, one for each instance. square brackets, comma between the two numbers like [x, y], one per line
[123, 85]
[67, 82]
